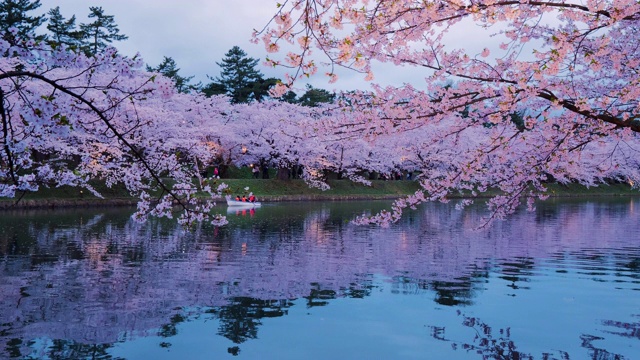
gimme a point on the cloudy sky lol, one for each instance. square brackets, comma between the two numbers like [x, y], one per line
[195, 33]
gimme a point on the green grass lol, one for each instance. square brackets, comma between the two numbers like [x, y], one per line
[345, 189]
[264, 189]
[571, 190]
[601, 190]
[279, 190]
[70, 196]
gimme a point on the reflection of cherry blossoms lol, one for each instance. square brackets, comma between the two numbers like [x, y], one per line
[95, 277]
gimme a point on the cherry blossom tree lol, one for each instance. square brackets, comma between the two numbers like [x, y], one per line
[568, 68]
[68, 118]
[267, 133]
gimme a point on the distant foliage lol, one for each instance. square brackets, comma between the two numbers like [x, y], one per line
[15, 14]
[101, 32]
[239, 78]
[169, 69]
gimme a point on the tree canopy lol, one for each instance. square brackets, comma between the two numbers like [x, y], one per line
[239, 78]
[63, 31]
[67, 118]
[314, 97]
[555, 98]
[169, 68]
[14, 13]
[101, 32]
[568, 67]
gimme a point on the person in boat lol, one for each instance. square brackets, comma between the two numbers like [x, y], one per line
[244, 198]
[237, 197]
[252, 198]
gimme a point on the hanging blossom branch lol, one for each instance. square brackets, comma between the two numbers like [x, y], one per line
[102, 118]
[551, 78]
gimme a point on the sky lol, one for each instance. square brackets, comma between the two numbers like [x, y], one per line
[195, 33]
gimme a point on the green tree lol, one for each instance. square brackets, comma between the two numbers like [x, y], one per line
[169, 68]
[13, 13]
[63, 31]
[260, 88]
[240, 78]
[101, 32]
[290, 96]
[213, 88]
[314, 97]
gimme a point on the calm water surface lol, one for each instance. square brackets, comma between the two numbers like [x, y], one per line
[297, 281]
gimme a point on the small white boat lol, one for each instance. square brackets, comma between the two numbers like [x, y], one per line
[244, 204]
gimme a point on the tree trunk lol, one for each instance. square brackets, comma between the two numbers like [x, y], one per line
[283, 174]
[222, 171]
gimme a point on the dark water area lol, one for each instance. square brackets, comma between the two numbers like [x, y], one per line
[298, 281]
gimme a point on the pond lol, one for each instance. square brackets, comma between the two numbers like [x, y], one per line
[298, 281]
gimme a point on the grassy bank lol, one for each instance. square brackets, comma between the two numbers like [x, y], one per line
[264, 189]
[278, 190]
[575, 190]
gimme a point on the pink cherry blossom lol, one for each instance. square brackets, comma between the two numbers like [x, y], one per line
[556, 100]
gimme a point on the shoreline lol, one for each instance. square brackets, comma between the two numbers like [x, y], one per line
[57, 203]
[132, 202]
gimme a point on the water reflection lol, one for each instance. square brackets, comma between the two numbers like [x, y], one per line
[76, 283]
[490, 343]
